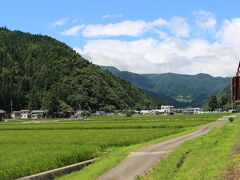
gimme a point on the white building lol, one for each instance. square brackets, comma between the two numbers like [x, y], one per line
[198, 111]
[38, 114]
[188, 111]
[167, 109]
[16, 114]
[25, 114]
[192, 111]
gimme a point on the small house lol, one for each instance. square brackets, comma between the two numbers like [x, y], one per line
[16, 114]
[188, 111]
[25, 114]
[38, 114]
[192, 111]
[198, 111]
[78, 115]
[167, 109]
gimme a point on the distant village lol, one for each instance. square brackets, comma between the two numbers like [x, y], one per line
[80, 114]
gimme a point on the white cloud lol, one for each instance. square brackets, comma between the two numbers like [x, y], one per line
[179, 26]
[157, 23]
[180, 48]
[127, 28]
[110, 16]
[73, 31]
[229, 34]
[171, 55]
[162, 34]
[59, 22]
[205, 20]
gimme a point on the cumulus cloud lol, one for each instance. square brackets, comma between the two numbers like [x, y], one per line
[171, 55]
[176, 50]
[59, 22]
[124, 28]
[205, 20]
[73, 31]
[127, 28]
[179, 26]
[162, 34]
[229, 34]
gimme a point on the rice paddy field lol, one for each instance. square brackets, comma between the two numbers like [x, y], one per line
[29, 147]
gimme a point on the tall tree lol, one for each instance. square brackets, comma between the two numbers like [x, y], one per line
[213, 103]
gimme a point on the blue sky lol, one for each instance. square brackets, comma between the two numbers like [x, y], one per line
[147, 36]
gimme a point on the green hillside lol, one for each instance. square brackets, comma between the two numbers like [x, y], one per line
[188, 85]
[176, 89]
[40, 72]
[137, 79]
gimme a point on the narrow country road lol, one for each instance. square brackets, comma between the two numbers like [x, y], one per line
[137, 163]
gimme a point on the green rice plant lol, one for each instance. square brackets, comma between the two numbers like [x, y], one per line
[28, 148]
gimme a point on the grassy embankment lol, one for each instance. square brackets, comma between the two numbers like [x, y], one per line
[206, 157]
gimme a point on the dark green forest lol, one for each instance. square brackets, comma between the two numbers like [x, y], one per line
[221, 100]
[39, 72]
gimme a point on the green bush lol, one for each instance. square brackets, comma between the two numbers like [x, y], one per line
[231, 119]
[129, 113]
[86, 113]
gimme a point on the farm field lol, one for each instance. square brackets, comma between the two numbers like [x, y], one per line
[35, 146]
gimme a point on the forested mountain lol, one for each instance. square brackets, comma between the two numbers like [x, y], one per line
[139, 80]
[176, 89]
[40, 72]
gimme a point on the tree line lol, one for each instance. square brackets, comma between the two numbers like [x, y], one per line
[221, 100]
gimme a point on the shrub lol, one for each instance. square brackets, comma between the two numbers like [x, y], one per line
[86, 113]
[129, 113]
[231, 119]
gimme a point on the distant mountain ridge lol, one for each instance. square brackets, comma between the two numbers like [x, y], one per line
[176, 89]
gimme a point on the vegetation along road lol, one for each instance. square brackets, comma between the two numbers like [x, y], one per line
[137, 163]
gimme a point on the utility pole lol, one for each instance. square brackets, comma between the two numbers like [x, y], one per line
[79, 106]
[236, 89]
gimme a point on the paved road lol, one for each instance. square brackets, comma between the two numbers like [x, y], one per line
[137, 163]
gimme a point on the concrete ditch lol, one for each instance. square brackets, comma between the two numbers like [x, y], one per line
[51, 174]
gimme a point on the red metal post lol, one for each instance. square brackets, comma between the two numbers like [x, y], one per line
[236, 86]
